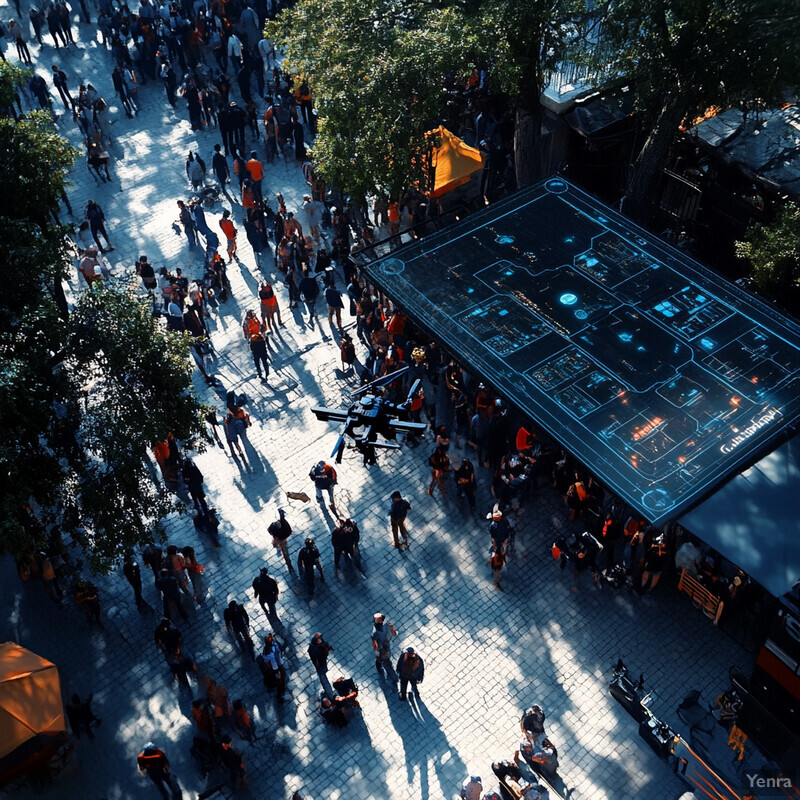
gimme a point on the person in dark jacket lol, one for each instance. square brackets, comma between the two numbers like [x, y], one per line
[265, 590]
[155, 764]
[307, 559]
[345, 539]
[134, 577]
[398, 511]
[193, 479]
[309, 290]
[167, 584]
[318, 653]
[410, 669]
[236, 620]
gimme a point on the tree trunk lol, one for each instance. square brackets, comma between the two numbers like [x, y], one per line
[646, 171]
[527, 144]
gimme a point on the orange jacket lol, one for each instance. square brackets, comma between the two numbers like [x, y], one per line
[255, 169]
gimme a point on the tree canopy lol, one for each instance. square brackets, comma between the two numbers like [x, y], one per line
[376, 70]
[774, 255]
[83, 395]
[680, 57]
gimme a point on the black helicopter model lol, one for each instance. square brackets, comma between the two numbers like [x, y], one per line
[374, 414]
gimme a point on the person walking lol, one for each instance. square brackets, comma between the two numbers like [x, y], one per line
[167, 637]
[16, 32]
[266, 591]
[333, 298]
[255, 169]
[382, 634]
[167, 584]
[269, 306]
[313, 210]
[465, 482]
[155, 764]
[236, 422]
[307, 559]
[254, 334]
[229, 229]
[236, 620]
[133, 575]
[186, 219]
[500, 531]
[309, 290]
[180, 665]
[398, 511]
[345, 538]
[439, 463]
[281, 530]
[497, 561]
[97, 219]
[324, 477]
[195, 171]
[318, 653]
[270, 662]
[410, 670]
[176, 564]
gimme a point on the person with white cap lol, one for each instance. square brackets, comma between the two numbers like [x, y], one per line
[382, 634]
[410, 669]
[471, 788]
[155, 764]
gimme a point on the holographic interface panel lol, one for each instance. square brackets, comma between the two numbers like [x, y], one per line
[660, 376]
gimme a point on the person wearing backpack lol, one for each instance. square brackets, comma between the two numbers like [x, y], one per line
[324, 477]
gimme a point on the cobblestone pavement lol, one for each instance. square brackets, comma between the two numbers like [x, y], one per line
[488, 654]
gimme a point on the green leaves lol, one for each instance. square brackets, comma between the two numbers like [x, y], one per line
[81, 399]
[376, 70]
[774, 254]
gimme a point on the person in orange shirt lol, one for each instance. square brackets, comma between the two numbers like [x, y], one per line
[230, 233]
[394, 218]
[256, 172]
[248, 194]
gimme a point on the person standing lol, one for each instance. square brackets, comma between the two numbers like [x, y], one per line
[236, 422]
[195, 171]
[269, 305]
[281, 530]
[236, 620]
[81, 716]
[177, 566]
[324, 477]
[410, 670]
[307, 559]
[193, 479]
[120, 86]
[345, 538]
[382, 634]
[270, 662]
[465, 482]
[439, 463]
[398, 511]
[220, 166]
[255, 169]
[167, 584]
[318, 653]
[155, 764]
[134, 577]
[266, 591]
[167, 637]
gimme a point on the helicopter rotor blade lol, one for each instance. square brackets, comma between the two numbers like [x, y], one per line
[412, 391]
[378, 382]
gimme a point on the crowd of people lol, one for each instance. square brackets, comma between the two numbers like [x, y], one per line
[503, 460]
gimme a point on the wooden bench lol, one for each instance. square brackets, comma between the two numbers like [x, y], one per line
[701, 597]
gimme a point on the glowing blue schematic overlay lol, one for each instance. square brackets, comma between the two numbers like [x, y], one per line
[660, 376]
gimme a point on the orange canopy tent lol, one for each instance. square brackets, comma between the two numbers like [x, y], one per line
[452, 162]
[31, 710]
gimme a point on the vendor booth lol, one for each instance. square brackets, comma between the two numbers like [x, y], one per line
[32, 723]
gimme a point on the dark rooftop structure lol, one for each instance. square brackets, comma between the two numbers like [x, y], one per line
[660, 376]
